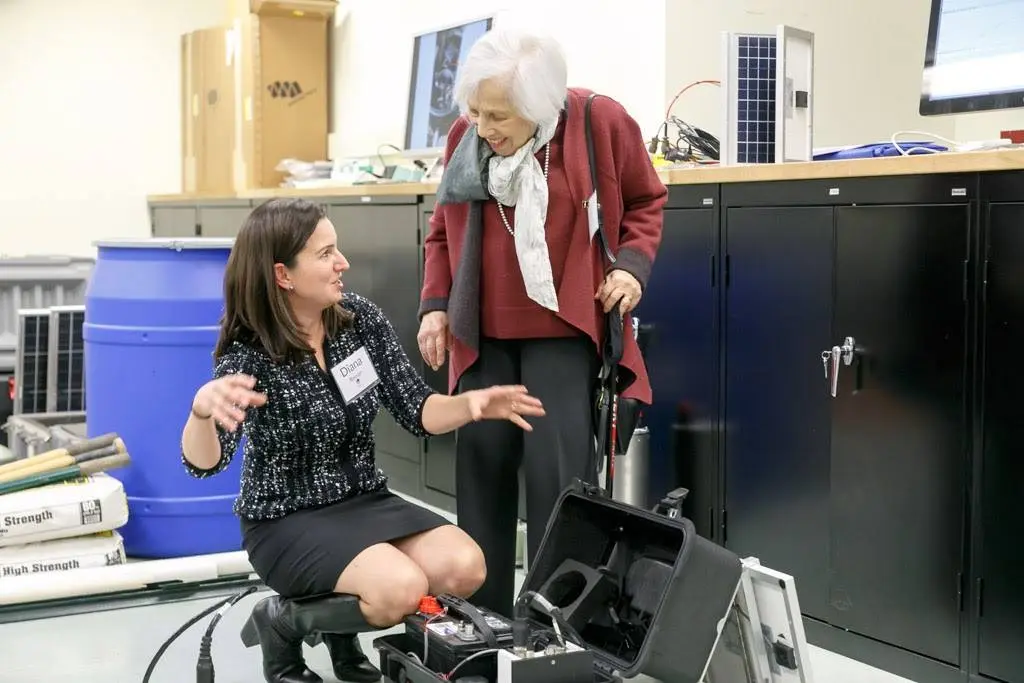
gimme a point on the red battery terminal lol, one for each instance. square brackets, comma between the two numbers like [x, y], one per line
[429, 605]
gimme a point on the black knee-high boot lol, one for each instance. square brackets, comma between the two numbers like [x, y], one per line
[281, 625]
[276, 628]
[337, 624]
[347, 658]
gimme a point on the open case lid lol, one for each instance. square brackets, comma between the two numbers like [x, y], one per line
[763, 640]
[642, 590]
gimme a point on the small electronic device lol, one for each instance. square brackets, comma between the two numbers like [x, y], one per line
[553, 664]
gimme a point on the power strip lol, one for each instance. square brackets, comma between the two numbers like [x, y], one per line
[983, 145]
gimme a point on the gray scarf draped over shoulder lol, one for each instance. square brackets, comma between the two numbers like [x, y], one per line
[465, 181]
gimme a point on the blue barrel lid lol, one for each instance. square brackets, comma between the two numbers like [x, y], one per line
[175, 243]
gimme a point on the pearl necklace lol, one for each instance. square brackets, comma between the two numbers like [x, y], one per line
[547, 166]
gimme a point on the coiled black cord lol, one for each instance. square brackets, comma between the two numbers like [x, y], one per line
[204, 667]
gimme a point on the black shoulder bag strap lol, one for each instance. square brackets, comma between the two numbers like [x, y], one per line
[591, 155]
[606, 399]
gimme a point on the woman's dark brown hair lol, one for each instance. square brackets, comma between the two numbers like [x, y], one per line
[256, 310]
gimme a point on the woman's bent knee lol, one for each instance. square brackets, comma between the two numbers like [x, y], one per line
[395, 596]
[450, 558]
[388, 583]
[467, 570]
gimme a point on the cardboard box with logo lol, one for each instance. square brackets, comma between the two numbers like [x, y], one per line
[254, 93]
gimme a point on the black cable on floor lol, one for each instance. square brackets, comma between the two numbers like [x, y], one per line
[204, 667]
[187, 625]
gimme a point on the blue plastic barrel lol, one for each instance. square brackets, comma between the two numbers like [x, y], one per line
[152, 310]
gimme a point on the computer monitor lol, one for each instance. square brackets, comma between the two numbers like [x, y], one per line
[435, 66]
[975, 57]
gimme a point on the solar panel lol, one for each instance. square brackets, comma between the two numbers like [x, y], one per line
[31, 371]
[768, 88]
[755, 75]
[66, 366]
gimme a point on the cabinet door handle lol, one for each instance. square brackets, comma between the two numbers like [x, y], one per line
[835, 358]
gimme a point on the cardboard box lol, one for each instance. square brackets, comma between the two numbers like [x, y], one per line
[254, 93]
[297, 8]
[208, 116]
[284, 97]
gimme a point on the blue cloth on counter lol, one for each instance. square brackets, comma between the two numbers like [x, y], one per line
[880, 149]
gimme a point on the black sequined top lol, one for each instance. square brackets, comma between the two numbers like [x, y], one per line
[305, 447]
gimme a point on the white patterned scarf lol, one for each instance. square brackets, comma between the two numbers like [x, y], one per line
[518, 180]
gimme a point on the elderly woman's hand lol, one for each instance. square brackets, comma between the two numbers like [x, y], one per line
[433, 338]
[619, 287]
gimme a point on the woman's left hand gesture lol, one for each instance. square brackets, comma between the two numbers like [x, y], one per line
[504, 403]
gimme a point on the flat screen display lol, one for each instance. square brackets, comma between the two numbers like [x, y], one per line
[975, 56]
[435, 66]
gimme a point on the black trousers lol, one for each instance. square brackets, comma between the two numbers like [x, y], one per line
[562, 374]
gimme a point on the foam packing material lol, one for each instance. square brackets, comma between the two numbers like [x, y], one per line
[104, 549]
[75, 508]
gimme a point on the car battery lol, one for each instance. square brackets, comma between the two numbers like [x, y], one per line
[616, 591]
[455, 633]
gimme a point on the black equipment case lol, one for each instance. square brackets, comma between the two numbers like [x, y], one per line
[639, 590]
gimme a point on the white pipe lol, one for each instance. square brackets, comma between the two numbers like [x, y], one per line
[135, 575]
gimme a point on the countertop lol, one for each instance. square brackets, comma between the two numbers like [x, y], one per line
[947, 162]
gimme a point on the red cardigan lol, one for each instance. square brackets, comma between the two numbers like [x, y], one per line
[506, 311]
[632, 199]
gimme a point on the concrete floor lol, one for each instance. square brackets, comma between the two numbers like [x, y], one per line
[117, 646]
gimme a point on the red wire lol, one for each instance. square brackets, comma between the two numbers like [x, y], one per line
[679, 94]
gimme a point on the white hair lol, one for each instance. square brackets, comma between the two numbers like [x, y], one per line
[531, 66]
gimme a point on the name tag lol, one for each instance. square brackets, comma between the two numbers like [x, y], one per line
[355, 375]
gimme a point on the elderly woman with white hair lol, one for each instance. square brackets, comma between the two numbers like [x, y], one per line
[516, 288]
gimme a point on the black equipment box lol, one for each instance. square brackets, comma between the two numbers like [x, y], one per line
[615, 591]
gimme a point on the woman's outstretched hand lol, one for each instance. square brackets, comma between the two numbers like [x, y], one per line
[227, 399]
[504, 403]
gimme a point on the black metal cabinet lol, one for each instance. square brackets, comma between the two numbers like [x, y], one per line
[680, 305]
[899, 425]
[776, 412]
[222, 218]
[860, 495]
[191, 218]
[1000, 553]
[175, 218]
[380, 237]
[438, 450]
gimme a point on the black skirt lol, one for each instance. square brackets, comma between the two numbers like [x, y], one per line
[305, 552]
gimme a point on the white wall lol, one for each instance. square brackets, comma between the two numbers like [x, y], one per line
[868, 60]
[868, 56]
[613, 46]
[987, 126]
[89, 120]
[89, 117]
